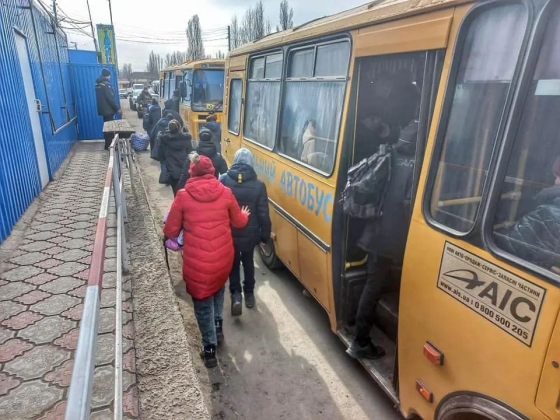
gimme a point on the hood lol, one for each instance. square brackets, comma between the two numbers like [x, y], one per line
[241, 172]
[177, 141]
[245, 156]
[212, 126]
[205, 188]
[100, 79]
[207, 148]
[169, 104]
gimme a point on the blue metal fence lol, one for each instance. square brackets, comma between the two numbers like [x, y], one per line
[90, 125]
[47, 48]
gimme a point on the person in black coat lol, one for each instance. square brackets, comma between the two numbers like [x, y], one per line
[174, 151]
[384, 239]
[214, 127]
[251, 192]
[107, 106]
[170, 109]
[206, 148]
[154, 115]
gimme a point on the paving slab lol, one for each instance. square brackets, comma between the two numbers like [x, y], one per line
[42, 288]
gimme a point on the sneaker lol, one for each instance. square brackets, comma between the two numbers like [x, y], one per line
[369, 351]
[250, 300]
[219, 331]
[236, 304]
[208, 354]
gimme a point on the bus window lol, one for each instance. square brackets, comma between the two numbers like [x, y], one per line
[208, 89]
[262, 100]
[313, 101]
[234, 111]
[187, 80]
[489, 52]
[527, 220]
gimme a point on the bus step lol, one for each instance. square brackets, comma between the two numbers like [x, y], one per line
[382, 370]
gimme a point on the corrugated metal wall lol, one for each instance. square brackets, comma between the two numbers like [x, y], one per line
[82, 56]
[90, 125]
[19, 177]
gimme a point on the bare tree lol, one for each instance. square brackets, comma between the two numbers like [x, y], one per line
[194, 37]
[176, 57]
[286, 16]
[155, 63]
[220, 55]
[126, 70]
[234, 33]
[254, 26]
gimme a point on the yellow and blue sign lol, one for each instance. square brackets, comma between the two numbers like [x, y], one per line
[107, 44]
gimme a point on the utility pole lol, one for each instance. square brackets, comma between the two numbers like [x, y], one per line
[229, 38]
[54, 13]
[92, 30]
[111, 14]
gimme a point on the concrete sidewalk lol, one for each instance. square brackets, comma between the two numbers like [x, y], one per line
[43, 274]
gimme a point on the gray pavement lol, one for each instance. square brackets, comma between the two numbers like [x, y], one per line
[44, 267]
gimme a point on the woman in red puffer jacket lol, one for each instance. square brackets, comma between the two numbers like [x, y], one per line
[205, 210]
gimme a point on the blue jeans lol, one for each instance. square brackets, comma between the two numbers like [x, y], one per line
[207, 312]
[162, 166]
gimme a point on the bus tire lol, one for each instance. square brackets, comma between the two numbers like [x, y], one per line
[269, 257]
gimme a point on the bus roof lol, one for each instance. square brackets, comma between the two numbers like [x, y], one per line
[206, 62]
[364, 15]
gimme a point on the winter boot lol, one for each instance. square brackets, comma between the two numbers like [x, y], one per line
[219, 331]
[208, 354]
[249, 300]
[368, 351]
[236, 304]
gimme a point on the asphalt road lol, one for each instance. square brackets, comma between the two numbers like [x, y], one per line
[280, 360]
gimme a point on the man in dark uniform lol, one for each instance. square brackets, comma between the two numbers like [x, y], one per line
[107, 106]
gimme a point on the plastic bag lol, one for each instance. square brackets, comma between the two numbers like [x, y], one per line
[139, 142]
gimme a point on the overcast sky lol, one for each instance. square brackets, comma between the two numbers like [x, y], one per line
[160, 25]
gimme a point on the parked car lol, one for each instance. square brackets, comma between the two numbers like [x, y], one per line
[123, 93]
[136, 89]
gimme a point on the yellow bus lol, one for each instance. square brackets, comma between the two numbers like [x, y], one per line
[202, 92]
[170, 80]
[470, 321]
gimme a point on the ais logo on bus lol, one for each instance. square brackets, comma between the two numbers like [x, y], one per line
[508, 301]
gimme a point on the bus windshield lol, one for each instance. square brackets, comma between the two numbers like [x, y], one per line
[207, 89]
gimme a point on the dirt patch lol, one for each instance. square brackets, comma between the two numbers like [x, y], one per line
[168, 383]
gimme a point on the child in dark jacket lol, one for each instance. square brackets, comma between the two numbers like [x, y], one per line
[207, 148]
[251, 192]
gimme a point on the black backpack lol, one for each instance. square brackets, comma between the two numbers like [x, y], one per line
[366, 185]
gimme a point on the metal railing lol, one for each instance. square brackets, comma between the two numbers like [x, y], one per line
[81, 386]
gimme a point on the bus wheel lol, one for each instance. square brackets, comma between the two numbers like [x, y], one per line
[268, 255]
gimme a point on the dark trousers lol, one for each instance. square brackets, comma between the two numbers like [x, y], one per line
[245, 258]
[108, 136]
[379, 272]
[174, 182]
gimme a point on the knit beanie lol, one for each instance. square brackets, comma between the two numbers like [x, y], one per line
[200, 165]
[105, 73]
[205, 134]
